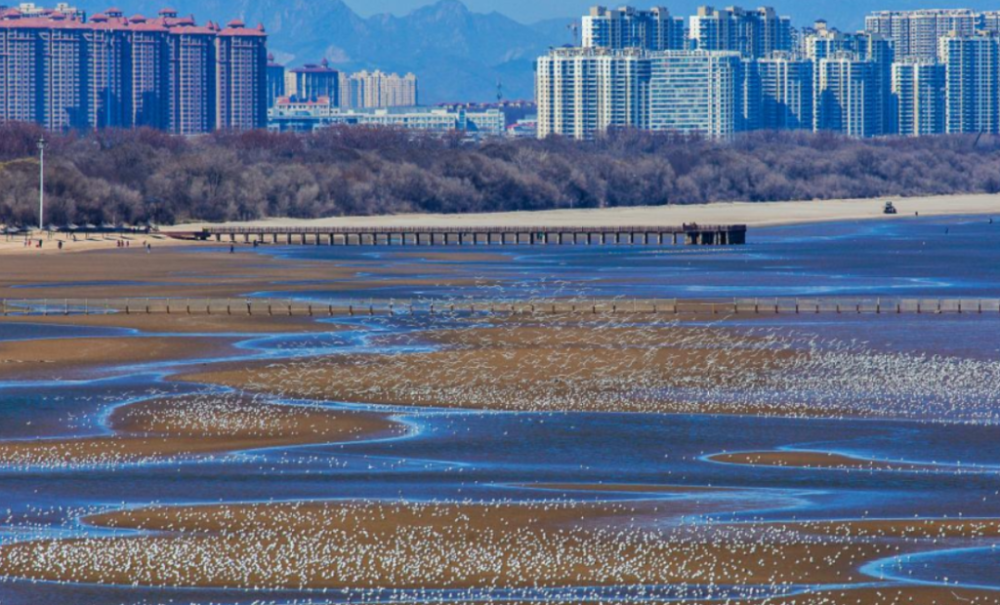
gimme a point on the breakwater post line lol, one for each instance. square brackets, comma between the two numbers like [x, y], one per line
[259, 307]
[643, 235]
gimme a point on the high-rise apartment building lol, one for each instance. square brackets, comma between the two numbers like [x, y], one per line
[918, 91]
[62, 71]
[696, 92]
[916, 33]
[752, 33]
[373, 90]
[989, 21]
[863, 46]
[847, 96]
[971, 83]
[275, 81]
[627, 27]
[241, 54]
[786, 92]
[584, 92]
[312, 82]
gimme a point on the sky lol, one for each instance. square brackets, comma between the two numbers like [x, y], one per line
[844, 13]
[527, 11]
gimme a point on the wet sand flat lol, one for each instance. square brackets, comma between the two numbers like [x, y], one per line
[401, 545]
[182, 323]
[816, 460]
[64, 358]
[181, 427]
[180, 272]
[564, 367]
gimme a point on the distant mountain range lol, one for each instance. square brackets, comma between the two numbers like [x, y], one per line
[458, 55]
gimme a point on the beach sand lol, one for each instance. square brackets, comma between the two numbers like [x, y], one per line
[197, 276]
[817, 460]
[489, 545]
[751, 214]
[568, 365]
[183, 427]
[398, 545]
[79, 357]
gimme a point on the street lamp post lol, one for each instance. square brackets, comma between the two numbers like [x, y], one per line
[41, 184]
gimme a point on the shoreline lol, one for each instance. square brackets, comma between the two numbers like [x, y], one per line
[752, 214]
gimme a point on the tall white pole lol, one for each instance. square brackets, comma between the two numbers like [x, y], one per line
[41, 184]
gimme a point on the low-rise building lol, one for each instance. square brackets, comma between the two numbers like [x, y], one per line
[307, 116]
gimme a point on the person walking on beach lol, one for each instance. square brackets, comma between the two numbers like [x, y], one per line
[232, 248]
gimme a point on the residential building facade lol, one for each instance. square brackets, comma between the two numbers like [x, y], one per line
[62, 71]
[312, 82]
[847, 96]
[915, 34]
[786, 83]
[752, 33]
[918, 92]
[971, 80]
[275, 81]
[627, 27]
[373, 90]
[696, 92]
[583, 92]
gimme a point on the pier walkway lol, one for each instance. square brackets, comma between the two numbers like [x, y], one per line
[261, 307]
[647, 235]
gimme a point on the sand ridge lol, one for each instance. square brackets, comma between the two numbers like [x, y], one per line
[185, 427]
[398, 545]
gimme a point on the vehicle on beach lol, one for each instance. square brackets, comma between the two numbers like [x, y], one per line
[890, 208]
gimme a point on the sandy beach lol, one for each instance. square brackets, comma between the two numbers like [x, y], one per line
[759, 214]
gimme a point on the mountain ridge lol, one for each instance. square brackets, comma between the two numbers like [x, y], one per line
[458, 54]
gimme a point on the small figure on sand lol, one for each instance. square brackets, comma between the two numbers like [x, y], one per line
[232, 248]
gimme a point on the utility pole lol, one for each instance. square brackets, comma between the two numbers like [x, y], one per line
[41, 184]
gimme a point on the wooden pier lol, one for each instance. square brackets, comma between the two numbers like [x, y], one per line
[734, 308]
[689, 235]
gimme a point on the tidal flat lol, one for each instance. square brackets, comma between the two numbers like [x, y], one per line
[487, 456]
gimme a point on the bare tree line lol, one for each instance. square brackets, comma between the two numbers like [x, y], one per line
[142, 175]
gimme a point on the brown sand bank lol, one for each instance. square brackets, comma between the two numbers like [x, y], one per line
[566, 366]
[181, 323]
[630, 488]
[921, 529]
[325, 545]
[66, 358]
[196, 425]
[179, 273]
[816, 460]
[905, 595]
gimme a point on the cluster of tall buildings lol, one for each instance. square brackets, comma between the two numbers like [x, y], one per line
[734, 70]
[64, 71]
[312, 83]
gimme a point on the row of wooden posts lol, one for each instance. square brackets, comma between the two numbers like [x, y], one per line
[270, 308]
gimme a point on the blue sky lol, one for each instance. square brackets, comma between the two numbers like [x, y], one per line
[522, 10]
[845, 13]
